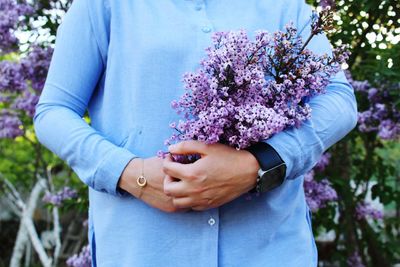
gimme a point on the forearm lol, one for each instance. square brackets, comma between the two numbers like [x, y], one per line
[97, 161]
[334, 114]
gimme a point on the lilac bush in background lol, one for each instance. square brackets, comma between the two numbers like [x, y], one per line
[83, 259]
[57, 199]
[10, 17]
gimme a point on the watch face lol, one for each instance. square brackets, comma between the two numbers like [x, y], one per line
[272, 178]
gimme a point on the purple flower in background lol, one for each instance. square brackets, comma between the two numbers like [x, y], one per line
[26, 102]
[11, 78]
[10, 124]
[355, 260]
[364, 210]
[83, 259]
[10, 14]
[381, 114]
[62, 195]
[318, 193]
[15, 92]
[323, 162]
[35, 66]
[327, 3]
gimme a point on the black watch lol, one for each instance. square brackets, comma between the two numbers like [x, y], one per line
[273, 169]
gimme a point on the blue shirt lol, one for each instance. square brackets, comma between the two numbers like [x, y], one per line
[123, 62]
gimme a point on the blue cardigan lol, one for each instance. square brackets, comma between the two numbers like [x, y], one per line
[123, 62]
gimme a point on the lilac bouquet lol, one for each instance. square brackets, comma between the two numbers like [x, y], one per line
[247, 90]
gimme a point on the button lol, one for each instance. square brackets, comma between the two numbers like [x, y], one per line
[211, 221]
[206, 29]
[198, 8]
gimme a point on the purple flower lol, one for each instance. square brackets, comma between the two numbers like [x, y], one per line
[327, 3]
[10, 124]
[323, 162]
[35, 66]
[364, 210]
[11, 78]
[318, 193]
[247, 90]
[381, 114]
[20, 86]
[10, 16]
[83, 259]
[26, 102]
[62, 195]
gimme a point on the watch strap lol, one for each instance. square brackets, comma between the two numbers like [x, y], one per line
[267, 158]
[266, 155]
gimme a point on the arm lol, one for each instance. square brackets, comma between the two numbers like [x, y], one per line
[76, 70]
[223, 174]
[334, 114]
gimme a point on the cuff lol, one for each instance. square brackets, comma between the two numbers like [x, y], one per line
[110, 169]
[289, 151]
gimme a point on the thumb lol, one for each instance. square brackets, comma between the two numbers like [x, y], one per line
[188, 147]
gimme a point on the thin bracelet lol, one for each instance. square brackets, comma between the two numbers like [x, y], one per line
[141, 180]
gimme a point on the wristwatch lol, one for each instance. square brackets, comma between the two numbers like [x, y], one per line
[272, 168]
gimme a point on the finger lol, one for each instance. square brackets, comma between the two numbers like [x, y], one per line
[189, 147]
[182, 202]
[173, 188]
[178, 170]
[200, 208]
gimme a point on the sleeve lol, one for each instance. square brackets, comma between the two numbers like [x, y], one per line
[333, 115]
[76, 67]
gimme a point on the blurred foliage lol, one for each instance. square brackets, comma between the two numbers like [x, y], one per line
[363, 165]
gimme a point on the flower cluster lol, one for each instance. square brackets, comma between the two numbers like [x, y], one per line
[20, 86]
[318, 193]
[10, 14]
[11, 77]
[326, 3]
[247, 90]
[83, 259]
[62, 195]
[323, 162]
[35, 65]
[10, 124]
[381, 114]
[364, 210]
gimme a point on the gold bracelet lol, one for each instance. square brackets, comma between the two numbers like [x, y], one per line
[141, 180]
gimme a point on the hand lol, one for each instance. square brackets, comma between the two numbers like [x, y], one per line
[153, 193]
[219, 176]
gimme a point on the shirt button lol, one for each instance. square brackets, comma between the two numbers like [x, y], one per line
[211, 221]
[206, 29]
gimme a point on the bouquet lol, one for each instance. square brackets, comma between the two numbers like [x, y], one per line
[248, 90]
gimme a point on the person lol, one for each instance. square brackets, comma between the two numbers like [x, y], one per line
[123, 61]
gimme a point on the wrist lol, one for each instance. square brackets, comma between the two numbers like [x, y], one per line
[129, 176]
[272, 168]
[251, 167]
